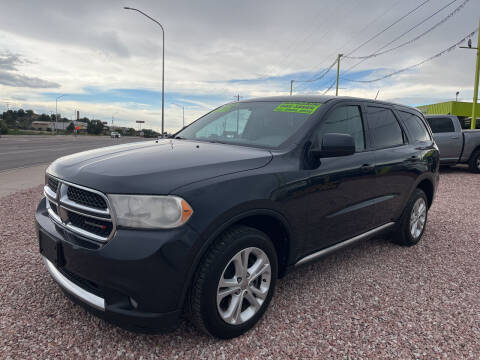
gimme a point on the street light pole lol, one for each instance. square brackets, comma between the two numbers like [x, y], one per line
[163, 62]
[56, 111]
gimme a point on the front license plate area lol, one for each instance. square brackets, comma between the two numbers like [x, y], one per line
[51, 248]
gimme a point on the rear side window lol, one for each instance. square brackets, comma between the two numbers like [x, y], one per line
[415, 126]
[384, 127]
[441, 125]
[346, 120]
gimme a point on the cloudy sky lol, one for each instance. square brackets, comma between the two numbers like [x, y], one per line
[107, 60]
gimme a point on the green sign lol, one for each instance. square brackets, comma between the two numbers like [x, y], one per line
[299, 108]
[225, 108]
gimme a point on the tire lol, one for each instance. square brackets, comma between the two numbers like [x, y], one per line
[406, 234]
[474, 163]
[210, 315]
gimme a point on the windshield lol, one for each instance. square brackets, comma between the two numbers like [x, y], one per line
[264, 124]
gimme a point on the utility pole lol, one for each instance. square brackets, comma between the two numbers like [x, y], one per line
[338, 72]
[477, 70]
[291, 87]
[475, 89]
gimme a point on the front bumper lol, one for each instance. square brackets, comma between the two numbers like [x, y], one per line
[136, 280]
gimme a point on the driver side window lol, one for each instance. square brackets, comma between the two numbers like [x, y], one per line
[345, 120]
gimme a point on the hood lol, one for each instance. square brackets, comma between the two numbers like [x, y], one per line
[155, 167]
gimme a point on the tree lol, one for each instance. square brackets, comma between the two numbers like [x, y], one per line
[95, 127]
[3, 128]
[131, 132]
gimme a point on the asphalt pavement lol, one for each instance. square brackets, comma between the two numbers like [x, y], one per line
[24, 158]
[20, 151]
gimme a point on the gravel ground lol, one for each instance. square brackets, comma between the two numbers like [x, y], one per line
[375, 300]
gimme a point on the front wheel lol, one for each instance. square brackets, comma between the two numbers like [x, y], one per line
[474, 163]
[412, 223]
[234, 284]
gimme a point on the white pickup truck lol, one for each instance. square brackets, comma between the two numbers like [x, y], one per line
[457, 146]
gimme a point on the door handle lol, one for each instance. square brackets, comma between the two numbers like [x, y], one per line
[367, 167]
[455, 137]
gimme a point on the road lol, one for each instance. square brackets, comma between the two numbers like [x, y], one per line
[29, 150]
[23, 159]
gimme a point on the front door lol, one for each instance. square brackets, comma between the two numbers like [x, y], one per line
[341, 188]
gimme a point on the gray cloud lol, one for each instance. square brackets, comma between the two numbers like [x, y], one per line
[9, 61]
[18, 80]
[9, 75]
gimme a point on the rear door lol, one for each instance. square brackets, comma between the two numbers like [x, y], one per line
[448, 138]
[394, 168]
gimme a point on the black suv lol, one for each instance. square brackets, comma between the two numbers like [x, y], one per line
[204, 223]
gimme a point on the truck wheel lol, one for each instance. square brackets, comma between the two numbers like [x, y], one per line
[474, 163]
[412, 223]
[234, 283]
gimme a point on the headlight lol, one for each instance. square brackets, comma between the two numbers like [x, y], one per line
[150, 212]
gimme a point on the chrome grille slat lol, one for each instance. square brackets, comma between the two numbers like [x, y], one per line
[91, 222]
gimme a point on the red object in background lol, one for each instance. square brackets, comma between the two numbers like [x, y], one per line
[77, 128]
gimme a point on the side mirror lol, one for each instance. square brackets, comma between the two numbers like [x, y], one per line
[334, 144]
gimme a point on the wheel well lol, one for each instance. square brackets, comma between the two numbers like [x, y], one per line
[276, 231]
[427, 187]
[474, 152]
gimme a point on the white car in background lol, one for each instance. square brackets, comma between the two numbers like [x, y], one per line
[115, 135]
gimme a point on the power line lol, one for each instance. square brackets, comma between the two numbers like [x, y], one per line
[385, 29]
[388, 27]
[330, 87]
[348, 42]
[443, 52]
[321, 76]
[379, 52]
[294, 45]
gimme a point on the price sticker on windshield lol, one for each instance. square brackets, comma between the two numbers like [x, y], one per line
[299, 108]
[224, 108]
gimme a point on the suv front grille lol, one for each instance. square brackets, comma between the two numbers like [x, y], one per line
[95, 226]
[86, 198]
[53, 184]
[83, 211]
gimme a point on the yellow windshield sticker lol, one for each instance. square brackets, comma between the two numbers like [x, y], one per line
[300, 107]
[225, 108]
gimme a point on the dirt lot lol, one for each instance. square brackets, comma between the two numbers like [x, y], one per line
[373, 300]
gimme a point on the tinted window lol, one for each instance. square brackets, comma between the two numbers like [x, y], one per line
[346, 120]
[384, 127]
[262, 123]
[415, 126]
[441, 125]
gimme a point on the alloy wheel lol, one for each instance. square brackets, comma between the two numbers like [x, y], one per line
[418, 217]
[243, 286]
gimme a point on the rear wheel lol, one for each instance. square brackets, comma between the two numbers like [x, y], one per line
[234, 284]
[474, 163]
[412, 223]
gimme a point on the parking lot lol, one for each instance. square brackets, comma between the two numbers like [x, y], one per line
[374, 300]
